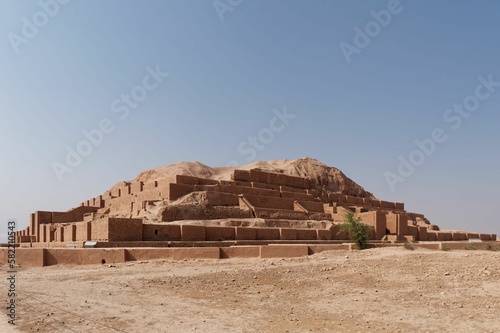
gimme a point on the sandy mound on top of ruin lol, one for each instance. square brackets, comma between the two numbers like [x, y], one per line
[322, 176]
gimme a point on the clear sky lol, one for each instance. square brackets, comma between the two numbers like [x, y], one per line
[355, 86]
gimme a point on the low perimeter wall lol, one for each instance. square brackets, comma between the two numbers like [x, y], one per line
[39, 257]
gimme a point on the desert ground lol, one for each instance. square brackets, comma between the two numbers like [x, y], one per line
[375, 290]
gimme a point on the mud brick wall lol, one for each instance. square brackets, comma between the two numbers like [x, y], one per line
[444, 236]
[259, 176]
[259, 185]
[209, 182]
[32, 227]
[24, 239]
[312, 206]
[329, 208]
[99, 230]
[222, 199]
[161, 232]
[459, 236]
[42, 233]
[338, 234]
[306, 234]
[297, 196]
[284, 251]
[413, 231]
[270, 178]
[189, 212]
[110, 194]
[150, 186]
[323, 234]
[124, 230]
[125, 188]
[397, 224]
[191, 233]
[295, 182]
[267, 233]
[288, 234]
[175, 191]
[148, 195]
[70, 233]
[292, 189]
[73, 215]
[259, 191]
[30, 257]
[432, 236]
[244, 233]
[186, 180]
[43, 217]
[485, 237]
[59, 234]
[242, 175]
[270, 202]
[387, 205]
[120, 189]
[236, 183]
[83, 231]
[423, 234]
[136, 187]
[377, 220]
[96, 202]
[349, 200]
[122, 203]
[320, 216]
[234, 189]
[267, 213]
[472, 235]
[219, 233]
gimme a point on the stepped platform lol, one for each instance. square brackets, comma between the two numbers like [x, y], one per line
[157, 211]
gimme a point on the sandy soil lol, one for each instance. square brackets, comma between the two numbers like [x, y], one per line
[376, 290]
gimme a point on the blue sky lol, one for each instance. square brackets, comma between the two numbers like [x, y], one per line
[225, 78]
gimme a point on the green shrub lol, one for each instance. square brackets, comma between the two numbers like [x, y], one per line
[490, 247]
[358, 231]
[471, 247]
[446, 248]
[408, 246]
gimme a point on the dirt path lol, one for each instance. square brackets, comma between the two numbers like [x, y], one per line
[377, 290]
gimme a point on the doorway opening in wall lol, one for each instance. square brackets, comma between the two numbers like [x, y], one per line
[156, 232]
[103, 261]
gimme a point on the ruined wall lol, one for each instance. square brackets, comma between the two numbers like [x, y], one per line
[191, 212]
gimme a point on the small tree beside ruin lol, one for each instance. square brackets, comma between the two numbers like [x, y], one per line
[358, 231]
